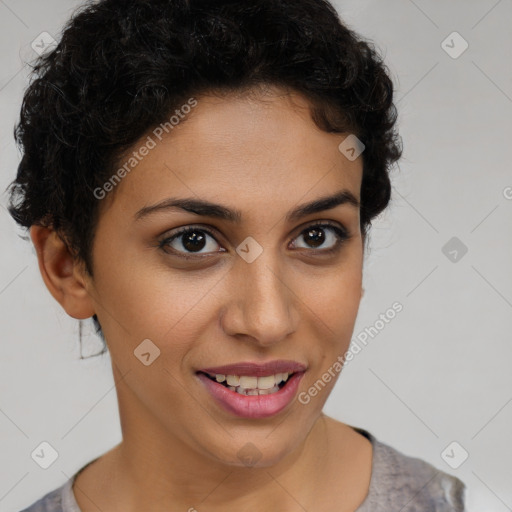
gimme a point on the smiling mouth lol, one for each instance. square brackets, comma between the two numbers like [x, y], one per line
[251, 385]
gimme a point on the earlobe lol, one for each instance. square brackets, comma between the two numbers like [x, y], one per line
[61, 272]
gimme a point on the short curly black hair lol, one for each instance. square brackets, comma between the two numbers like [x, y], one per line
[122, 66]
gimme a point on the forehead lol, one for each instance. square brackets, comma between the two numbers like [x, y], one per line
[235, 148]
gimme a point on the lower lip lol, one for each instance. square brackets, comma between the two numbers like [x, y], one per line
[253, 406]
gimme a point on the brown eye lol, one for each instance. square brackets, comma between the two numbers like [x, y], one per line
[193, 241]
[190, 240]
[314, 236]
[326, 237]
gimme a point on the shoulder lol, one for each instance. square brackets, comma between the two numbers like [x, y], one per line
[409, 484]
[54, 501]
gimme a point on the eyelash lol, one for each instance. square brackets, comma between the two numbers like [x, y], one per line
[342, 235]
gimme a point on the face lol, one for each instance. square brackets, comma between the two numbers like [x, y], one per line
[264, 286]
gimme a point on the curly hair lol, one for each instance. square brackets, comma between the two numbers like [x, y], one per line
[122, 66]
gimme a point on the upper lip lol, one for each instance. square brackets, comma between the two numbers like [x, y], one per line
[256, 369]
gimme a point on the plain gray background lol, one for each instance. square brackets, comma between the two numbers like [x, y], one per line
[438, 373]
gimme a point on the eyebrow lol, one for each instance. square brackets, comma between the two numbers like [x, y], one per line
[207, 209]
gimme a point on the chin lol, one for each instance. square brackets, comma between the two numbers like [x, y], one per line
[258, 453]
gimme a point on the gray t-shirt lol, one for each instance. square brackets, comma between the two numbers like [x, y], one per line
[398, 483]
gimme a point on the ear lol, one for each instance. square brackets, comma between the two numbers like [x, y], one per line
[63, 275]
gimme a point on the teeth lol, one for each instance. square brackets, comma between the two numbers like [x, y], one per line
[253, 392]
[269, 391]
[233, 380]
[266, 382]
[248, 382]
[252, 385]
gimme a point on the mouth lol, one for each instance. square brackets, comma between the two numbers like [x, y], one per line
[252, 396]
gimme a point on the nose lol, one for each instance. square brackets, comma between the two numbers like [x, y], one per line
[263, 306]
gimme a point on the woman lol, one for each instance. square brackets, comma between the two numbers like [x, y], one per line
[200, 179]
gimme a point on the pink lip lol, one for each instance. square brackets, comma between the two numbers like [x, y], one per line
[256, 369]
[256, 406]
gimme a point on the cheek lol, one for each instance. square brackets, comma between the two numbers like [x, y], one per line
[150, 298]
[142, 302]
[344, 302]
[334, 299]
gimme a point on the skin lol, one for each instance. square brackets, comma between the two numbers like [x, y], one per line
[262, 154]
